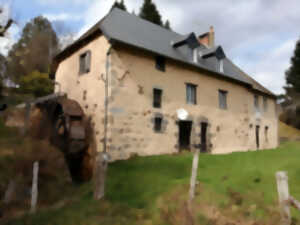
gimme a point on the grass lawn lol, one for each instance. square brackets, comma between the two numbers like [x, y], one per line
[149, 190]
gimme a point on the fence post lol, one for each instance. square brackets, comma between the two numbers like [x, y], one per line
[100, 175]
[27, 117]
[194, 175]
[283, 195]
[34, 190]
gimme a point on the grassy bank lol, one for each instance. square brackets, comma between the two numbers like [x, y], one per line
[150, 190]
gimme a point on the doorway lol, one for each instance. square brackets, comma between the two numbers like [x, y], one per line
[257, 136]
[185, 130]
[203, 145]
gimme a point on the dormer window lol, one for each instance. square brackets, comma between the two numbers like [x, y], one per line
[221, 66]
[195, 55]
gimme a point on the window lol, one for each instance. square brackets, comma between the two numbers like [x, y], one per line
[221, 65]
[265, 104]
[160, 62]
[223, 99]
[191, 94]
[157, 124]
[256, 103]
[157, 94]
[195, 55]
[85, 62]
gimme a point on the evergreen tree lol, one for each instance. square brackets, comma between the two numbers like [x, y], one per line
[149, 12]
[167, 25]
[120, 5]
[293, 73]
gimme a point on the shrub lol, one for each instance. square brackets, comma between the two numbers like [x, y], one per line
[36, 83]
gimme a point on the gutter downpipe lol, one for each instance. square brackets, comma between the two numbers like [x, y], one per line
[106, 103]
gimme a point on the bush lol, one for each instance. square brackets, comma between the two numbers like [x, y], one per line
[37, 84]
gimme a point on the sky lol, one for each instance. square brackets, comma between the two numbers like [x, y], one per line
[258, 35]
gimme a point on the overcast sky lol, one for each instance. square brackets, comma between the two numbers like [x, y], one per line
[258, 35]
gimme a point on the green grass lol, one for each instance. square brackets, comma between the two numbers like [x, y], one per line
[136, 188]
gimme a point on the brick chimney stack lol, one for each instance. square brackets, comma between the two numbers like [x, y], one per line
[211, 37]
[208, 39]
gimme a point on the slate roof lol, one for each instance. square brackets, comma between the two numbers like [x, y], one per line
[123, 27]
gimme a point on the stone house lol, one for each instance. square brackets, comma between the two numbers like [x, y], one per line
[165, 92]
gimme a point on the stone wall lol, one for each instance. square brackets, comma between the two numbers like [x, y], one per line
[133, 78]
[87, 89]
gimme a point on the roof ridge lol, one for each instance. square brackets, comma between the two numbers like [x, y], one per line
[147, 21]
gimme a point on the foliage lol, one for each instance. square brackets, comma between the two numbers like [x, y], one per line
[293, 73]
[139, 190]
[34, 50]
[120, 5]
[36, 83]
[149, 12]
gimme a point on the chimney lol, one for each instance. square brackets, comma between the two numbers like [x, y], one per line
[208, 39]
[211, 37]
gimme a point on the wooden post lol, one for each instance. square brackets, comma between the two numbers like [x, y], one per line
[34, 190]
[194, 175]
[10, 191]
[27, 117]
[100, 175]
[295, 203]
[283, 195]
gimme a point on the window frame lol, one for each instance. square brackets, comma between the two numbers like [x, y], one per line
[85, 62]
[223, 103]
[155, 103]
[191, 98]
[160, 63]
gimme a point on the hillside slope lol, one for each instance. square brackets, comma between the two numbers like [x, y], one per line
[237, 188]
[288, 133]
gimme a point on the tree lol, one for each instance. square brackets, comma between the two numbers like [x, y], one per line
[34, 50]
[167, 25]
[293, 73]
[149, 12]
[3, 66]
[120, 5]
[36, 83]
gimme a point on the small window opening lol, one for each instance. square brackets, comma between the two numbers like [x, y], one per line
[160, 63]
[191, 94]
[157, 96]
[223, 99]
[256, 103]
[157, 124]
[265, 104]
[85, 62]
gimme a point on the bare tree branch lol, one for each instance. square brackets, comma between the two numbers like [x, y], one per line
[3, 29]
